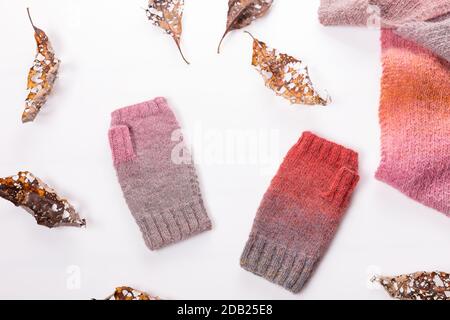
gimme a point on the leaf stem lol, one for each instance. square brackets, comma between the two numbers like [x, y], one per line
[181, 52]
[250, 35]
[109, 297]
[220, 43]
[31, 20]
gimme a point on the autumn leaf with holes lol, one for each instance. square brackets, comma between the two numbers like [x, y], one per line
[417, 286]
[286, 75]
[41, 76]
[41, 201]
[128, 294]
[241, 13]
[167, 14]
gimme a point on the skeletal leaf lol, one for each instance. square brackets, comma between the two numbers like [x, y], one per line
[128, 293]
[417, 286]
[167, 14]
[285, 75]
[241, 13]
[41, 76]
[42, 202]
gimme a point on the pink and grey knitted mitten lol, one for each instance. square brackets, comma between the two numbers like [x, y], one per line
[161, 190]
[301, 211]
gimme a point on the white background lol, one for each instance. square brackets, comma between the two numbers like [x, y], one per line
[112, 57]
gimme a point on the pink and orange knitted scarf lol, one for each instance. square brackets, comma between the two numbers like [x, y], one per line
[415, 96]
[425, 22]
[415, 122]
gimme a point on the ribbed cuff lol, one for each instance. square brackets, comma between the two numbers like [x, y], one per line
[140, 110]
[276, 263]
[161, 228]
[316, 149]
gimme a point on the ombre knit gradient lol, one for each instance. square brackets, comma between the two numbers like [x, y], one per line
[415, 93]
[163, 195]
[301, 211]
[415, 122]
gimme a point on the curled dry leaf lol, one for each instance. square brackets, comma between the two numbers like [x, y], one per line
[285, 75]
[242, 12]
[417, 286]
[42, 202]
[41, 76]
[128, 293]
[167, 14]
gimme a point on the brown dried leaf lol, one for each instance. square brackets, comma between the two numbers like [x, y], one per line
[42, 202]
[417, 286]
[167, 14]
[128, 293]
[241, 13]
[285, 75]
[42, 75]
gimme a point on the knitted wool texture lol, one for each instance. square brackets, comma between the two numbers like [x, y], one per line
[425, 22]
[162, 194]
[415, 122]
[433, 34]
[415, 98]
[300, 212]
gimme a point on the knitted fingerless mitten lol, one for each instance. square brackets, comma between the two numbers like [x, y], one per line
[162, 194]
[301, 211]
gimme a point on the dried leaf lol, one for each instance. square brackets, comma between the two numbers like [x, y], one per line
[41, 76]
[167, 14]
[417, 286]
[128, 293]
[241, 13]
[42, 202]
[285, 75]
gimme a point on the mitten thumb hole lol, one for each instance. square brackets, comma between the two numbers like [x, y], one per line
[342, 186]
[121, 144]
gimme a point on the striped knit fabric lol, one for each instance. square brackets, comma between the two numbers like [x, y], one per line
[415, 122]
